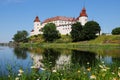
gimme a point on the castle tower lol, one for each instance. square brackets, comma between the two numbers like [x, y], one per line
[83, 18]
[37, 26]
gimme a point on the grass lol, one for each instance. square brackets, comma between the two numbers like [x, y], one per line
[103, 41]
[69, 72]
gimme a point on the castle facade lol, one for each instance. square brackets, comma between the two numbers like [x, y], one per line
[63, 24]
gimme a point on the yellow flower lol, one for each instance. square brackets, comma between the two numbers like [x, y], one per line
[114, 79]
[119, 74]
[92, 77]
[88, 69]
[78, 71]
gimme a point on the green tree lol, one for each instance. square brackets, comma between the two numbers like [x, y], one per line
[76, 32]
[116, 31]
[50, 33]
[20, 36]
[90, 30]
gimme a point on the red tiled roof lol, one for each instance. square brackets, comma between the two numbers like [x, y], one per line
[83, 13]
[32, 30]
[37, 19]
[59, 18]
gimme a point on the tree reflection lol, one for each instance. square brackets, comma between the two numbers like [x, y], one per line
[83, 57]
[21, 53]
[49, 58]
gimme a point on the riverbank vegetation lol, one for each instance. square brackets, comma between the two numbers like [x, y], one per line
[104, 41]
[68, 72]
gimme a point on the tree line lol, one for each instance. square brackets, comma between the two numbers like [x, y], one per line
[78, 33]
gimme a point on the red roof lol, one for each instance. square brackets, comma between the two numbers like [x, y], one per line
[32, 31]
[63, 18]
[83, 13]
[37, 19]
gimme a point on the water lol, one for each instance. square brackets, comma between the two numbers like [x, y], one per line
[12, 59]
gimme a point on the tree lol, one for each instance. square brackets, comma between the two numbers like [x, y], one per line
[20, 36]
[50, 33]
[76, 31]
[90, 30]
[116, 31]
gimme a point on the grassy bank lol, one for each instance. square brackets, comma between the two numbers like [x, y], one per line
[100, 42]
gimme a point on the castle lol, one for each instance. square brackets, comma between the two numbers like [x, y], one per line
[62, 23]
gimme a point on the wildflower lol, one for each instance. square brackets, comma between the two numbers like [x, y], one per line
[42, 68]
[20, 71]
[78, 71]
[17, 78]
[113, 73]
[32, 67]
[92, 77]
[38, 79]
[103, 62]
[50, 62]
[54, 71]
[104, 70]
[19, 74]
[118, 67]
[8, 75]
[119, 74]
[107, 68]
[114, 79]
[89, 69]
[88, 63]
[100, 66]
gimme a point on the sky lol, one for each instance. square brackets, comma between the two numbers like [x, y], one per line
[17, 15]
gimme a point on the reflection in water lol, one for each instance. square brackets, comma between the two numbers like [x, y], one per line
[83, 57]
[55, 58]
[21, 53]
[50, 57]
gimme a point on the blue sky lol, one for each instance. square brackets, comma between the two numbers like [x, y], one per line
[18, 15]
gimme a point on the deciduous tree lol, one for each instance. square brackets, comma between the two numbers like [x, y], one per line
[116, 31]
[50, 33]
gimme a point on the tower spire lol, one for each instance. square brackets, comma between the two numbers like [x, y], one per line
[37, 19]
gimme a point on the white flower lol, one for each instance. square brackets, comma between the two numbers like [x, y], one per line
[104, 70]
[88, 63]
[118, 67]
[8, 75]
[20, 71]
[17, 78]
[19, 74]
[54, 71]
[32, 67]
[92, 77]
[100, 66]
[42, 68]
[103, 62]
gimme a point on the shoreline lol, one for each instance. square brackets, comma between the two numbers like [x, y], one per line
[76, 45]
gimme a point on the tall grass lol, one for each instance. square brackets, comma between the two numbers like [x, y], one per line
[69, 72]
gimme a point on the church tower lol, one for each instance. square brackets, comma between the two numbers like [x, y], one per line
[83, 18]
[37, 25]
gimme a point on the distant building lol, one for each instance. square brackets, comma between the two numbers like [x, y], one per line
[62, 23]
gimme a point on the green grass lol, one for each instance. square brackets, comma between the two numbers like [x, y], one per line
[101, 71]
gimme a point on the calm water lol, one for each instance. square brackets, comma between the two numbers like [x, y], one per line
[11, 59]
